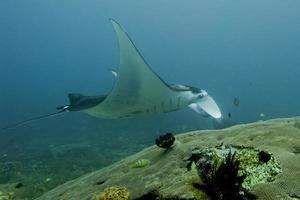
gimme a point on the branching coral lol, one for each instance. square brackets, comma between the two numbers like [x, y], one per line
[221, 181]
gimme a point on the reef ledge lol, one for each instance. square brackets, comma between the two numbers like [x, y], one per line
[166, 175]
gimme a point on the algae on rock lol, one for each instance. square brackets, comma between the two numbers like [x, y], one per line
[113, 193]
[255, 172]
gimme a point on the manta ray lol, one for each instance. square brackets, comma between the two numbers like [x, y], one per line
[137, 91]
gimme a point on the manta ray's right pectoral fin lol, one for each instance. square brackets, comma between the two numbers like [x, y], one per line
[207, 105]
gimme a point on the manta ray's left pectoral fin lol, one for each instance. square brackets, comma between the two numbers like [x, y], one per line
[207, 105]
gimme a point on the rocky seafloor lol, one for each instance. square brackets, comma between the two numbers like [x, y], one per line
[164, 173]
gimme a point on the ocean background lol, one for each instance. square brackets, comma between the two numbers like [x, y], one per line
[244, 49]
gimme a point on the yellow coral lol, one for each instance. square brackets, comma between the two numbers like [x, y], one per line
[113, 193]
[9, 196]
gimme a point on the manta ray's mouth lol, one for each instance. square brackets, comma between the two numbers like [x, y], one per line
[207, 105]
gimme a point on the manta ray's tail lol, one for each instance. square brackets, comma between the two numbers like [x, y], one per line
[32, 119]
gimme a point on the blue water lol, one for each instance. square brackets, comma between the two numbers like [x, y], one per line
[244, 49]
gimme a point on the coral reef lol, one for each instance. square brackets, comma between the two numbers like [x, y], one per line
[165, 141]
[264, 156]
[113, 193]
[257, 167]
[221, 181]
[167, 176]
[8, 196]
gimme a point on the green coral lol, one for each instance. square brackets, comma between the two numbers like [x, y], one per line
[256, 171]
[250, 166]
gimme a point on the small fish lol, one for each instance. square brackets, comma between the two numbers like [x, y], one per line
[140, 163]
[229, 115]
[236, 102]
[262, 115]
[48, 179]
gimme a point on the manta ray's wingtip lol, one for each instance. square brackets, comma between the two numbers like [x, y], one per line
[117, 27]
[113, 21]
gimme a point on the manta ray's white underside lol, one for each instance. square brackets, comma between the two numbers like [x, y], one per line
[138, 90]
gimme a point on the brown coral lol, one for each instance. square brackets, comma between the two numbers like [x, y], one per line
[113, 193]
